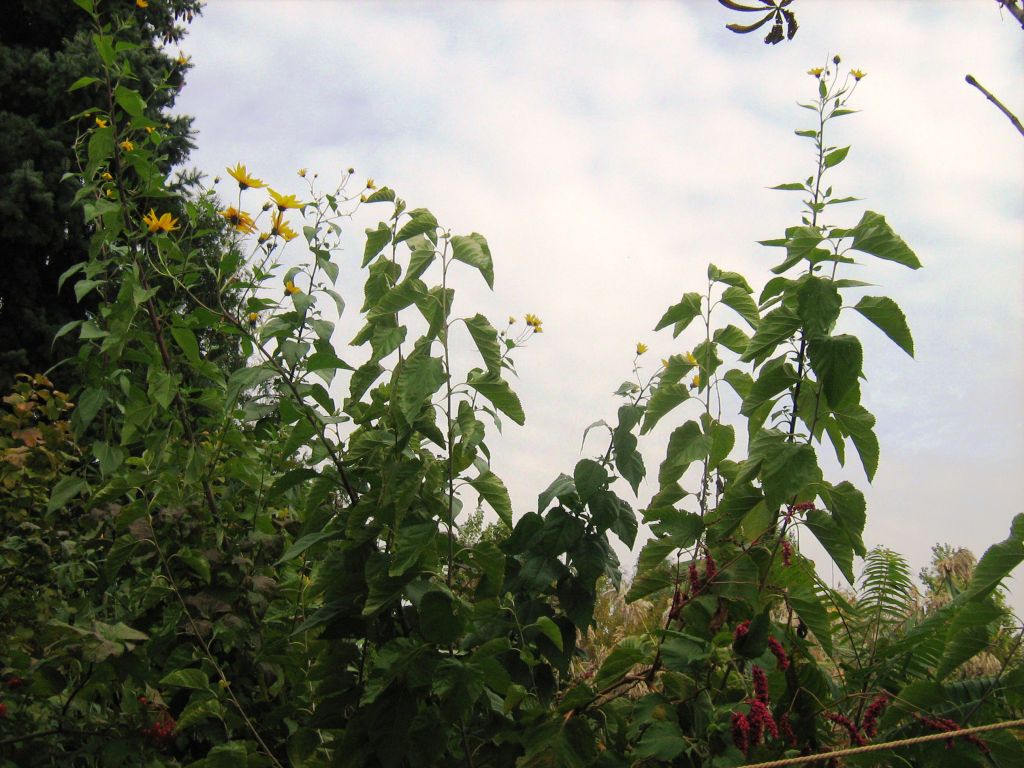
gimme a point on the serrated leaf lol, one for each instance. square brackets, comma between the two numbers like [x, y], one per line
[419, 378]
[833, 539]
[493, 491]
[550, 630]
[589, 477]
[741, 301]
[195, 679]
[885, 314]
[837, 361]
[682, 314]
[874, 235]
[485, 336]
[420, 221]
[498, 391]
[376, 239]
[818, 305]
[472, 249]
[774, 328]
[665, 397]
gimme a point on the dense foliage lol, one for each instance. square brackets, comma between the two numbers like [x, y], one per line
[264, 559]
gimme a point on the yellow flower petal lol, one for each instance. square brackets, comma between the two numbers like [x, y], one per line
[245, 181]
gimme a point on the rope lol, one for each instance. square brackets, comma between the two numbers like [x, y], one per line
[886, 745]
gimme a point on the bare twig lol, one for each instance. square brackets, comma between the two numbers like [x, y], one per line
[1014, 8]
[988, 95]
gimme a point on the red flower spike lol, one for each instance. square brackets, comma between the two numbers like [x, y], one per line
[741, 631]
[760, 684]
[695, 583]
[3, 711]
[710, 567]
[870, 723]
[787, 731]
[855, 738]
[14, 683]
[779, 652]
[764, 716]
[787, 553]
[741, 732]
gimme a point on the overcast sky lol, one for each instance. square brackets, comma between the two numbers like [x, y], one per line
[609, 151]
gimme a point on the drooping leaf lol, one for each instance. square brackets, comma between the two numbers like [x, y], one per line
[498, 391]
[837, 361]
[486, 339]
[775, 327]
[874, 235]
[682, 314]
[887, 316]
[473, 250]
[493, 491]
[740, 300]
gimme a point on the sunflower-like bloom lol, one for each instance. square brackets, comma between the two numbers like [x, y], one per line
[640, 347]
[142, 3]
[150, 129]
[278, 226]
[240, 220]
[534, 322]
[284, 202]
[101, 123]
[690, 358]
[163, 223]
[245, 181]
[126, 145]
[291, 288]
[857, 74]
[816, 71]
[253, 318]
[695, 381]
[302, 172]
[106, 176]
[370, 184]
[511, 319]
[182, 59]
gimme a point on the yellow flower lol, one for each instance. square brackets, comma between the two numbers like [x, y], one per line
[292, 288]
[106, 176]
[264, 236]
[142, 3]
[640, 348]
[245, 181]
[183, 59]
[126, 145]
[816, 71]
[362, 198]
[278, 226]
[302, 172]
[690, 358]
[110, 193]
[511, 320]
[695, 381]
[101, 123]
[163, 224]
[150, 129]
[370, 184]
[664, 363]
[534, 322]
[857, 74]
[240, 220]
[284, 202]
[253, 317]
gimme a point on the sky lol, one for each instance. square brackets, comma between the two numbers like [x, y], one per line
[610, 150]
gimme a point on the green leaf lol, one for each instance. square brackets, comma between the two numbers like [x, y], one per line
[686, 444]
[741, 301]
[859, 425]
[486, 339]
[675, 527]
[195, 679]
[440, 622]
[550, 630]
[67, 488]
[472, 249]
[197, 562]
[775, 376]
[997, 562]
[837, 361]
[729, 278]
[130, 101]
[187, 343]
[818, 305]
[796, 186]
[109, 456]
[681, 314]
[665, 398]
[661, 740]
[874, 235]
[82, 82]
[627, 654]
[419, 378]
[786, 468]
[561, 487]
[589, 477]
[732, 338]
[836, 156]
[497, 390]
[775, 327]
[886, 315]
[199, 711]
[376, 239]
[737, 502]
[420, 221]
[833, 539]
[849, 511]
[398, 298]
[969, 633]
[493, 491]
